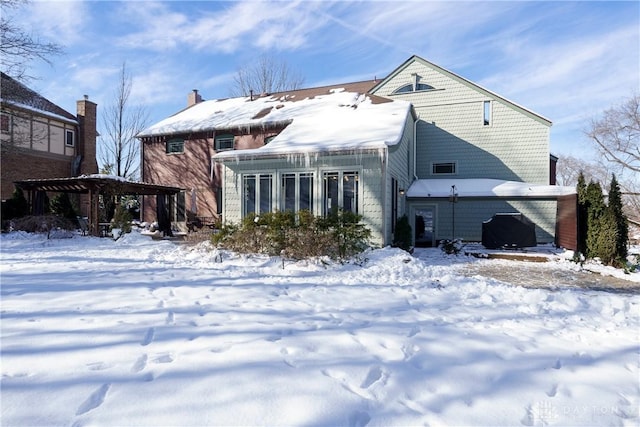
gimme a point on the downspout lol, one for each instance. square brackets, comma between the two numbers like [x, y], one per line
[385, 159]
[415, 133]
[142, 198]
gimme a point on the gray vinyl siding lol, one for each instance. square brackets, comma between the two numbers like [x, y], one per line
[515, 146]
[471, 213]
[368, 165]
[400, 167]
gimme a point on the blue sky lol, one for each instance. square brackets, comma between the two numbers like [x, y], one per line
[567, 61]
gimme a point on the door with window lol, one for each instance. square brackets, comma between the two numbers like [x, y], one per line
[424, 220]
[258, 194]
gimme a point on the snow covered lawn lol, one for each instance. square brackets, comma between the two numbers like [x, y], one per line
[150, 333]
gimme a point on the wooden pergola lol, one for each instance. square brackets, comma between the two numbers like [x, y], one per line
[93, 185]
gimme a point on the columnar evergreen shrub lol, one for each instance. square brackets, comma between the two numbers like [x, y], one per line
[621, 225]
[602, 228]
[583, 208]
[603, 244]
[595, 209]
[402, 237]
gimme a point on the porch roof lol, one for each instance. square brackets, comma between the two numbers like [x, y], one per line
[95, 182]
[483, 187]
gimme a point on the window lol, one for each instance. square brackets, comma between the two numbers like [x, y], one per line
[69, 138]
[180, 206]
[269, 139]
[394, 204]
[6, 123]
[175, 145]
[224, 142]
[297, 192]
[414, 86]
[258, 190]
[340, 191]
[487, 112]
[444, 168]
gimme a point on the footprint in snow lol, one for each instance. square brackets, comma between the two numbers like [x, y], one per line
[94, 400]
[553, 391]
[359, 419]
[164, 358]
[148, 336]
[140, 364]
[98, 366]
[375, 374]
[171, 318]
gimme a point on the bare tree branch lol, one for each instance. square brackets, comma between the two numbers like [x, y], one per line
[120, 148]
[266, 75]
[617, 134]
[18, 47]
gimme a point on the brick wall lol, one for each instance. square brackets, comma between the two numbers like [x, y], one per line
[26, 165]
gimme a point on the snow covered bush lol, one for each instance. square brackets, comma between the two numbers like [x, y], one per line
[451, 247]
[339, 235]
[42, 224]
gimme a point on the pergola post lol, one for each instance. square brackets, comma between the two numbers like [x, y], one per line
[94, 208]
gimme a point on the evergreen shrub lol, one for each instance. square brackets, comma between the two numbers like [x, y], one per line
[339, 235]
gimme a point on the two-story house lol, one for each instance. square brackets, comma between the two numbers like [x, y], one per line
[41, 140]
[422, 142]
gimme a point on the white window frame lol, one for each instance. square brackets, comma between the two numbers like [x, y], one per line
[341, 172]
[225, 137]
[258, 191]
[487, 113]
[174, 141]
[435, 164]
[297, 174]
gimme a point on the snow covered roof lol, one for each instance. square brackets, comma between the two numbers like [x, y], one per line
[18, 95]
[337, 120]
[484, 187]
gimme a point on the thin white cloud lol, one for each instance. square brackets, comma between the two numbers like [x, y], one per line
[61, 22]
[267, 25]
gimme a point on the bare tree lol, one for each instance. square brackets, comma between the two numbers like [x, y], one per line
[19, 47]
[266, 75]
[617, 134]
[119, 151]
[569, 168]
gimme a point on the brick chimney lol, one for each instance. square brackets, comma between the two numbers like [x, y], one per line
[88, 134]
[193, 98]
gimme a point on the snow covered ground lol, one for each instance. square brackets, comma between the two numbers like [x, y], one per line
[151, 333]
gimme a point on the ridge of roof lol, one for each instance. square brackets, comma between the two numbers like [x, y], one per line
[464, 81]
[17, 94]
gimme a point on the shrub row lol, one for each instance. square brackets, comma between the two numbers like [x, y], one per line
[300, 235]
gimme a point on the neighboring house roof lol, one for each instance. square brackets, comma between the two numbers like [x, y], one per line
[318, 120]
[463, 81]
[483, 187]
[18, 95]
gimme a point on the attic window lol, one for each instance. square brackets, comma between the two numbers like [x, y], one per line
[175, 145]
[487, 113]
[413, 87]
[224, 142]
[268, 139]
